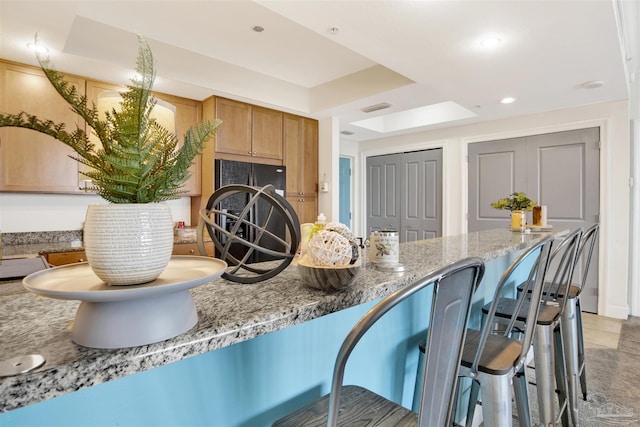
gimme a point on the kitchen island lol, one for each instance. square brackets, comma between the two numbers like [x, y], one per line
[257, 351]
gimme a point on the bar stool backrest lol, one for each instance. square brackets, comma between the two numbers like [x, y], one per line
[563, 262]
[453, 290]
[587, 244]
[539, 253]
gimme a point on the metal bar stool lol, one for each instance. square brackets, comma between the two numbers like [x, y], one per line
[454, 286]
[548, 345]
[571, 323]
[495, 361]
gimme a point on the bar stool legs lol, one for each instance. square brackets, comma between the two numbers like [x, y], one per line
[543, 355]
[496, 399]
[549, 366]
[569, 323]
[583, 371]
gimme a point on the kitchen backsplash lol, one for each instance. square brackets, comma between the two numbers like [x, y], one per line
[41, 237]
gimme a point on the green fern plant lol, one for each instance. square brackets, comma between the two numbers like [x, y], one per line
[139, 161]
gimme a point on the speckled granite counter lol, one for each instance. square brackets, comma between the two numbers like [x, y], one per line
[228, 313]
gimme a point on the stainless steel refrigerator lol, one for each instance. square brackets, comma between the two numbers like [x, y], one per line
[228, 172]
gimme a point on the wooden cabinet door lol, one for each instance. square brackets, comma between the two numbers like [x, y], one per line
[64, 258]
[293, 143]
[95, 90]
[301, 155]
[234, 136]
[309, 158]
[306, 208]
[31, 161]
[266, 133]
[188, 113]
[192, 249]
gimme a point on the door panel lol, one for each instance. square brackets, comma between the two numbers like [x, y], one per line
[404, 193]
[390, 183]
[560, 180]
[559, 170]
[422, 205]
[383, 194]
[570, 170]
[493, 174]
[345, 191]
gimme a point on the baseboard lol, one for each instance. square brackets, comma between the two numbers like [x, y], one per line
[616, 312]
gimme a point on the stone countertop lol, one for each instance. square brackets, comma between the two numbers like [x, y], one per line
[228, 313]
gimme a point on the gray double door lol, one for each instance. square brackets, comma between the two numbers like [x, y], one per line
[404, 193]
[560, 170]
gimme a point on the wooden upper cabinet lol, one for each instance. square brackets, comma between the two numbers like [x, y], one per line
[94, 91]
[266, 133]
[301, 155]
[309, 178]
[248, 130]
[301, 161]
[187, 113]
[234, 136]
[293, 146]
[31, 161]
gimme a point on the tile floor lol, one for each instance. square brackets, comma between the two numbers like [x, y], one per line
[600, 332]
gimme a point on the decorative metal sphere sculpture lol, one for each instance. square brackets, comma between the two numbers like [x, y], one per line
[240, 219]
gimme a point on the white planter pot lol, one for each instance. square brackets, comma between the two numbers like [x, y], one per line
[128, 244]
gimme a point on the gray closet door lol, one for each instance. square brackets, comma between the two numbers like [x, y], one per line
[404, 193]
[560, 170]
[383, 192]
[422, 205]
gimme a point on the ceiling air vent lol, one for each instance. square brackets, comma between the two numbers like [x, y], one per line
[377, 107]
[347, 132]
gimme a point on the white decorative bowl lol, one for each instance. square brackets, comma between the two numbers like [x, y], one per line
[328, 278]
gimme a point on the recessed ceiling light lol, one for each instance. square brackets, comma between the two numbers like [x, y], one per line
[507, 100]
[258, 29]
[38, 48]
[490, 42]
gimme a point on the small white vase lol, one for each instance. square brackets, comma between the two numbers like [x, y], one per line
[128, 243]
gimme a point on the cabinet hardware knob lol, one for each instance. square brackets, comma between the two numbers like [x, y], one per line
[192, 251]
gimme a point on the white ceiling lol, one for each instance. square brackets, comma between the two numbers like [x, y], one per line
[409, 54]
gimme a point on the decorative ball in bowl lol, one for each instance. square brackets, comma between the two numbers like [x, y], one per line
[332, 261]
[328, 278]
